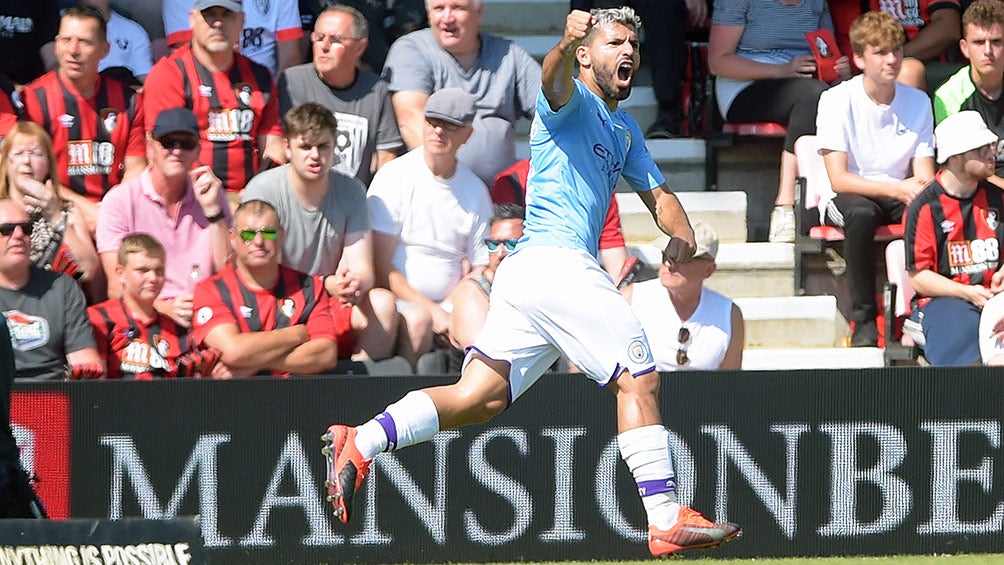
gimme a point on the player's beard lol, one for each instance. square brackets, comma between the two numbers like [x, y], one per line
[606, 80]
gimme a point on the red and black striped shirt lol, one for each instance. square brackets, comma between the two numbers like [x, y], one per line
[957, 238]
[91, 136]
[233, 108]
[134, 349]
[297, 298]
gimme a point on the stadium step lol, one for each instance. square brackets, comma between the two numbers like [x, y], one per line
[745, 270]
[545, 17]
[812, 358]
[792, 321]
[724, 211]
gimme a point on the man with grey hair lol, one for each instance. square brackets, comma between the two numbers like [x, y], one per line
[367, 135]
[581, 144]
[452, 52]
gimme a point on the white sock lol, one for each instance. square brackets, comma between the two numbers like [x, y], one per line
[646, 452]
[411, 420]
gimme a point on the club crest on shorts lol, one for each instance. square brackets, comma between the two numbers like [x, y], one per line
[639, 352]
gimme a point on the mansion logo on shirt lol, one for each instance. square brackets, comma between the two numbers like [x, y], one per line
[27, 332]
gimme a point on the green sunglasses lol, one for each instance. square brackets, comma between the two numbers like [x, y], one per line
[268, 234]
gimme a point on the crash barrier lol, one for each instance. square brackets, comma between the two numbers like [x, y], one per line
[879, 461]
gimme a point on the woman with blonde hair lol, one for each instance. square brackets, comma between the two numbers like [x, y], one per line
[59, 237]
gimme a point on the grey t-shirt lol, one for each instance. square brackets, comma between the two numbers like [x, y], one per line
[47, 319]
[366, 121]
[313, 240]
[504, 81]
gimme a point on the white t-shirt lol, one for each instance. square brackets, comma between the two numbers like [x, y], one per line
[130, 46]
[880, 141]
[266, 22]
[439, 223]
[710, 327]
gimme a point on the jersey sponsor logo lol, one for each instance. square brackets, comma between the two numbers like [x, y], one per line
[978, 255]
[611, 166]
[229, 125]
[204, 315]
[287, 307]
[109, 119]
[639, 352]
[11, 25]
[89, 157]
[906, 12]
[992, 218]
[252, 38]
[27, 332]
[139, 357]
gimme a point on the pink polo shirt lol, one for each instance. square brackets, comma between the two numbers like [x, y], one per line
[134, 206]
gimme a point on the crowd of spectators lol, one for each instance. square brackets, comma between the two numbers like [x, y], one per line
[247, 188]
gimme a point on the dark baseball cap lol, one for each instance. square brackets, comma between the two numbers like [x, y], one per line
[175, 120]
[232, 5]
[452, 105]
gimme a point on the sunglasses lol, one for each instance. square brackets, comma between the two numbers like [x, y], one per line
[7, 229]
[184, 143]
[681, 353]
[442, 124]
[494, 245]
[268, 234]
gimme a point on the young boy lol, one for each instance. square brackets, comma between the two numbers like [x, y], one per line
[136, 341]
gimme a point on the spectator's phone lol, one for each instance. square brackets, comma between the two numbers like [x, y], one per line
[629, 272]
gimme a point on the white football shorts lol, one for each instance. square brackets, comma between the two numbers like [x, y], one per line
[547, 301]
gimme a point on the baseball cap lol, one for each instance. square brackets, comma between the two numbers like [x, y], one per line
[232, 5]
[962, 132]
[705, 240]
[452, 105]
[175, 120]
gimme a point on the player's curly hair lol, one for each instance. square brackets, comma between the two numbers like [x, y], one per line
[623, 15]
[983, 14]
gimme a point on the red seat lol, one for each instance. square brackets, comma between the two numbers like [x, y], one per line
[759, 129]
[830, 233]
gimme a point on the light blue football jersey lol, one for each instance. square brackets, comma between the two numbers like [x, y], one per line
[577, 154]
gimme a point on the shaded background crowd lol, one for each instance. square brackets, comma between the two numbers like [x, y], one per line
[221, 188]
